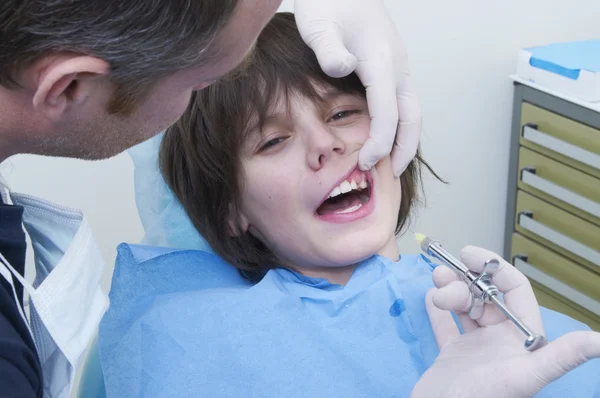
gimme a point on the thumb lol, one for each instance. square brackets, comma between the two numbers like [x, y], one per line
[333, 56]
[563, 355]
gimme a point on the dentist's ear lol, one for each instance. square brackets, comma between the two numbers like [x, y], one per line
[66, 83]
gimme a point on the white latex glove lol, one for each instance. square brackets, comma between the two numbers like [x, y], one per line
[359, 36]
[489, 359]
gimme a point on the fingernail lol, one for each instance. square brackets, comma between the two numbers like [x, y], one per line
[469, 251]
[366, 166]
[466, 254]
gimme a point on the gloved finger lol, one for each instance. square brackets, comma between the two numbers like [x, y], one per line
[453, 294]
[377, 76]
[328, 45]
[410, 117]
[561, 356]
[456, 297]
[443, 276]
[518, 293]
[443, 325]
[453, 297]
[492, 315]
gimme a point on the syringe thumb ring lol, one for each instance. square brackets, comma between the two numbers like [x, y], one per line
[481, 287]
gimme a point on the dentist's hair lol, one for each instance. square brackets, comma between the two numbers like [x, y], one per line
[142, 40]
[200, 154]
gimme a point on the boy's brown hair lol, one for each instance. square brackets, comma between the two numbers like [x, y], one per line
[200, 155]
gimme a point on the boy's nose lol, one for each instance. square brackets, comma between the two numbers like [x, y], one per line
[322, 146]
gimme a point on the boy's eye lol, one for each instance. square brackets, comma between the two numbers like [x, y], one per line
[342, 114]
[271, 143]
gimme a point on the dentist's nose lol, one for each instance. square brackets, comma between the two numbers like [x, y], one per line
[322, 145]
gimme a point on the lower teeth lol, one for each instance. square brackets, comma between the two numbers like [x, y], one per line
[364, 198]
[350, 209]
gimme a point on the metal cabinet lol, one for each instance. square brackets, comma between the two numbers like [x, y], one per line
[553, 204]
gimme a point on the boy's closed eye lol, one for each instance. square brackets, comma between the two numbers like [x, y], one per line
[338, 118]
[339, 115]
[271, 143]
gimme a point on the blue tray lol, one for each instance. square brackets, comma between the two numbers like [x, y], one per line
[567, 59]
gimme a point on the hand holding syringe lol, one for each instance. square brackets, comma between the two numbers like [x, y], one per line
[484, 357]
[483, 291]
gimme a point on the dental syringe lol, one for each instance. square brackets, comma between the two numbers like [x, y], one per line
[483, 291]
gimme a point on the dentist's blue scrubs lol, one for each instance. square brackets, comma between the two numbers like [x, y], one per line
[183, 323]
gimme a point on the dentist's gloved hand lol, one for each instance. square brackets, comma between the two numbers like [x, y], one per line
[359, 36]
[489, 359]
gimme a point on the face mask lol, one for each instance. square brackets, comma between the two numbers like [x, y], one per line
[67, 300]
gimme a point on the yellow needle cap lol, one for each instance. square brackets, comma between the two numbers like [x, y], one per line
[420, 238]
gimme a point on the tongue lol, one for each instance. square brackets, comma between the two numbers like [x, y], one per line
[340, 203]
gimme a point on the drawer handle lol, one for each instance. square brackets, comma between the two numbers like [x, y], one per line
[529, 177]
[531, 133]
[534, 273]
[527, 222]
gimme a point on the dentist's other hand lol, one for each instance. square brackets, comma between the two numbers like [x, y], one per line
[489, 359]
[359, 36]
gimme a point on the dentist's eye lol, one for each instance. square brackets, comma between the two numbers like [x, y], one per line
[342, 115]
[271, 143]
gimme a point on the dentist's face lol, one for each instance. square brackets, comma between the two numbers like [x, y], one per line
[92, 133]
[303, 195]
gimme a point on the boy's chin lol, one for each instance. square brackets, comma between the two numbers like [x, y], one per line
[352, 255]
[359, 247]
[342, 250]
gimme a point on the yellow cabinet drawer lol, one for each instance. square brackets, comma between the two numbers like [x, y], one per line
[565, 286]
[560, 138]
[567, 272]
[561, 185]
[546, 298]
[569, 235]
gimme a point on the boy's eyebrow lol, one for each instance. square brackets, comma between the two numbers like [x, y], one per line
[331, 93]
[256, 124]
[272, 114]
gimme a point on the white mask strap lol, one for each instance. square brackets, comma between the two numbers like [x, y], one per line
[8, 272]
[5, 168]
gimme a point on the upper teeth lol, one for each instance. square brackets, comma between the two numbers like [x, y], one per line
[347, 186]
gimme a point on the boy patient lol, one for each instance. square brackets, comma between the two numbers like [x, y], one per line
[265, 164]
[289, 193]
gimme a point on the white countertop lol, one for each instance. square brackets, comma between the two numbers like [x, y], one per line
[595, 106]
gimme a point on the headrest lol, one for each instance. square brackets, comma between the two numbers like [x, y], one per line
[163, 218]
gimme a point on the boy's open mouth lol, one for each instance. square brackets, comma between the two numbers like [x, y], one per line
[349, 196]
